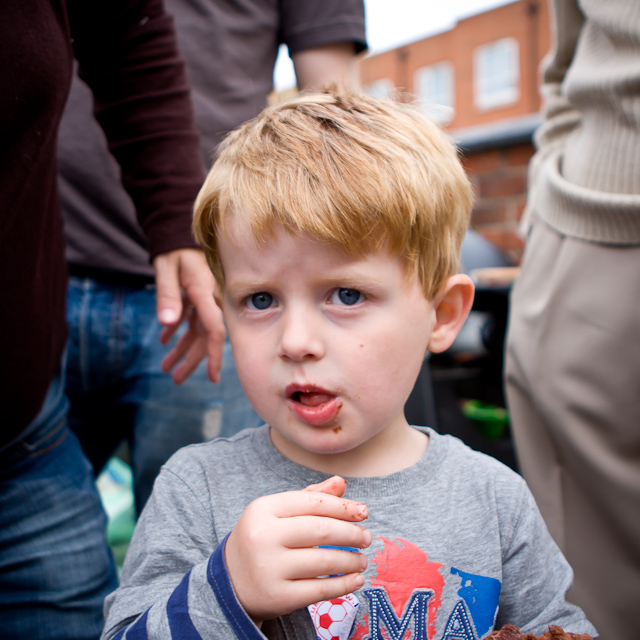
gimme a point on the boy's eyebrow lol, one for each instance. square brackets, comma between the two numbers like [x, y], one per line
[346, 276]
[245, 285]
[355, 279]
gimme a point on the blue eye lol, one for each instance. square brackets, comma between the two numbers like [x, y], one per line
[260, 301]
[347, 297]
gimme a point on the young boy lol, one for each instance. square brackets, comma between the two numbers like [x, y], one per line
[332, 225]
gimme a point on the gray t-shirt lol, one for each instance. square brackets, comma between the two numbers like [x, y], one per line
[230, 48]
[458, 548]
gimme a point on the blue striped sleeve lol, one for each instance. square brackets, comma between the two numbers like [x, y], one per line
[178, 616]
[135, 631]
[218, 577]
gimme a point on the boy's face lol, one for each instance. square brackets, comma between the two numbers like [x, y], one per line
[327, 347]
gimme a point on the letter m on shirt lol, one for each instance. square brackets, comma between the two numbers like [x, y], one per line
[382, 614]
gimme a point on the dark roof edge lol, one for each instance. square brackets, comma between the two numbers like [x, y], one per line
[504, 133]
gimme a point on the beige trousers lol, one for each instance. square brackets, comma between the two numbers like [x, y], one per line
[573, 388]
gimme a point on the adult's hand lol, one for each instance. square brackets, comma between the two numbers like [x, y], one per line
[185, 287]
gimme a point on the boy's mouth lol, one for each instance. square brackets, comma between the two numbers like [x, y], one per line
[313, 404]
[311, 399]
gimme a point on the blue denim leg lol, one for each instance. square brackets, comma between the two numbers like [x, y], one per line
[55, 565]
[118, 390]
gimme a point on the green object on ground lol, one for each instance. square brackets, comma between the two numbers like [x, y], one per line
[115, 485]
[492, 421]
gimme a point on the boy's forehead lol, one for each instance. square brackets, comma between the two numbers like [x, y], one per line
[235, 230]
[240, 250]
[238, 235]
[239, 231]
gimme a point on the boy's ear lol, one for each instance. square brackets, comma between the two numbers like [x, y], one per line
[451, 304]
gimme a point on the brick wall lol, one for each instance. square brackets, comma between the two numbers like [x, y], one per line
[499, 175]
[499, 178]
[525, 21]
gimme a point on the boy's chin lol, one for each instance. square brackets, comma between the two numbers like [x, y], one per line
[326, 441]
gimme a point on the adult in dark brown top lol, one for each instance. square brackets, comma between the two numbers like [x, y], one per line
[55, 566]
[114, 379]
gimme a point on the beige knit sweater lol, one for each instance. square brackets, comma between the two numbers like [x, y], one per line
[585, 177]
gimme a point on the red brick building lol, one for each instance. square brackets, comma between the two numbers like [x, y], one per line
[480, 80]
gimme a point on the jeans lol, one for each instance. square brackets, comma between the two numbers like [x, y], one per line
[55, 565]
[118, 391]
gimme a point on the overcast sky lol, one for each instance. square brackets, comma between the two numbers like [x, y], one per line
[391, 23]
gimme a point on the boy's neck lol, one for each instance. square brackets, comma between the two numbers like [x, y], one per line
[387, 453]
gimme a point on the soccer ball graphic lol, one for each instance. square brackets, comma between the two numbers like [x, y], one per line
[333, 619]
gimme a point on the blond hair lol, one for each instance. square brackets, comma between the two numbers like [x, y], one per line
[358, 173]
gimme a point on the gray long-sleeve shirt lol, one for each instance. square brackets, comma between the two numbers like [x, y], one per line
[459, 548]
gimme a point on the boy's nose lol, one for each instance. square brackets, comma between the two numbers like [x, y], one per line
[301, 337]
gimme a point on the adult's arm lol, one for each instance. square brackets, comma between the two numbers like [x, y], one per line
[559, 116]
[324, 65]
[323, 38]
[128, 55]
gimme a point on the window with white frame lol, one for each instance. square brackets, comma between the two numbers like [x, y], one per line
[497, 74]
[382, 88]
[434, 88]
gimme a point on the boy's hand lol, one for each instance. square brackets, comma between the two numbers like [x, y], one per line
[272, 557]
